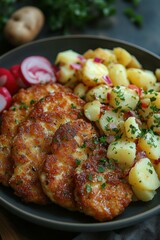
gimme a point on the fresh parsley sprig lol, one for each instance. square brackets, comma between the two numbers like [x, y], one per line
[69, 14]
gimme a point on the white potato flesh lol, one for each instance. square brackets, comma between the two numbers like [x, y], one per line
[93, 73]
[122, 55]
[157, 73]
[132, 129]
[66, 74]
[123, 98]
[67, 57]
[99, 93]
[111, 123]
[154, 122]
[145, 112]
[157, 168]
[106, 55]
[143, 175]
[141, 78]
[134, 63]
[92, 110]
[155, 87]
[150, 143]
[144, 195]
[154, 97]
[123, 151]
[118, 75]
[80, 90]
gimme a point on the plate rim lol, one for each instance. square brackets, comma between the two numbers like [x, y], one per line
[83, 36]
[91, 227]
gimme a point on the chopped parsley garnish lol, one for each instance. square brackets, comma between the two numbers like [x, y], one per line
[88, 188]
[73, 106]
[83, 145]
[90, 177]
[32, 101]
[103, 185]
[78, 161]
[133, 129]
[100, 169]
[99, 178]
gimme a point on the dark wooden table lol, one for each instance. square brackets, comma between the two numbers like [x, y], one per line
[118, 27]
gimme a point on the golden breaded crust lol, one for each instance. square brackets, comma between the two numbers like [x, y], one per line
[100, 190]
[68, 150]
[33, 141]
[23, 103]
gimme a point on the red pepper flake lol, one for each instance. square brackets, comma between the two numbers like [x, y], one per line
[137, 89]
[156, 162]
[108, 96]
[144, 104]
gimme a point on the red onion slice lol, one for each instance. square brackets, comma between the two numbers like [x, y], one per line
[35, 70]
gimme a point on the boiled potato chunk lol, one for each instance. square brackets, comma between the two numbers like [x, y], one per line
[66, 74]
[144, 195]
[131, 128]
[67, 57]
[155, 87]
[92, 110]
[145, 109]
[99, 93]
[123, 98]
[106, 55]
[118, 75]
[122, 55]
[80, 90]
[134, 63]
[157, 73]
[93, 73]
[143, 175]
[123, 151]
[154, 122]
[150, 143]
[111, 123]
[157, 168]
[154, 97]
[141, 78]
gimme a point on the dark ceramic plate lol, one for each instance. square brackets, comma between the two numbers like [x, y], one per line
[54, 216]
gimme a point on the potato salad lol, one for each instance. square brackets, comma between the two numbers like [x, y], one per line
[123, 101]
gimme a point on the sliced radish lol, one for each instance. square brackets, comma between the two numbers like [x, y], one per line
[5, 98]
[15, 70]
[35, 70]
[7, 80]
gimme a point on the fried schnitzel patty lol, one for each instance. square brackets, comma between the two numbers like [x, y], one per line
[33, 141]
[100, 190]
[67, 152]
[23, 103]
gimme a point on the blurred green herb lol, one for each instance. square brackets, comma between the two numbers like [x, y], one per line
[68, 14]
[6, 9]
[131, 13]
[134, 2]
[75, 13]
[133, 17]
